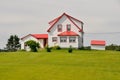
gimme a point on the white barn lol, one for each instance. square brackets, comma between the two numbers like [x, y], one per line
[98, 44]
[42, 39]
[64, 31]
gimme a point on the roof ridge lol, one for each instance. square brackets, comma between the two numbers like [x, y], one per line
[68, 16]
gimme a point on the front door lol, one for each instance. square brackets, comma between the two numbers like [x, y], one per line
[45, 42]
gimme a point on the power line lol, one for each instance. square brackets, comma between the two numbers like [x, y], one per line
[104, 33]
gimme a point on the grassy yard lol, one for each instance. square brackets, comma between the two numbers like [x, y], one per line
[60, 65]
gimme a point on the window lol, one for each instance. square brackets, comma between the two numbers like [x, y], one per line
[59, 26]
[68, 27]
[54, 39]
[72, 39]
[63, 39]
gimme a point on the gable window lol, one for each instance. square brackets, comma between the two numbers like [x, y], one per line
[54, 39]
[68, 27]
[72, 39]
[63, 39]
[59, 26]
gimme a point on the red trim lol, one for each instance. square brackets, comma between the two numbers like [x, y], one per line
[53, 20]
[98, 42]
[68, 33]
[57, 19]
[73, 23]
[74, 18]
[37, 36]
[69, 17]
[40, 36]
[25, 36]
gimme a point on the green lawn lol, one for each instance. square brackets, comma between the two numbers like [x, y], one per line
[60, 65]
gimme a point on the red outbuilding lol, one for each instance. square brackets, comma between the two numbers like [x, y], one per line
[98, 44]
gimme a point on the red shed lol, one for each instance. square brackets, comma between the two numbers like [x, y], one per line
[98, 44]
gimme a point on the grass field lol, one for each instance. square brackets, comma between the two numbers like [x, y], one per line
[60, 65]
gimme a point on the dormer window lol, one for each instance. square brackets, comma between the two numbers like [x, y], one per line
[68, 27]
[59, 26]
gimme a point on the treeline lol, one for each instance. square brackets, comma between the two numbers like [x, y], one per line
[3, 50]
[113, 47]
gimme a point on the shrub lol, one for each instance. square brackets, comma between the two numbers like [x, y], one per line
[117, 48]
[85, 48]
[113, 47]
[33, 45]
[82, 48]
[48, 49]
[70, 49]
[58, 47]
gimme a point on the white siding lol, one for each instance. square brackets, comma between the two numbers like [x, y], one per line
[26, 39]
[78, 23]
[40, 41]
[68, 44]
[54, 33]
[98, 47]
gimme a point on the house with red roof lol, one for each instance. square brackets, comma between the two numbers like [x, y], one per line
[42, 39]
[65, 31]
[98, 44]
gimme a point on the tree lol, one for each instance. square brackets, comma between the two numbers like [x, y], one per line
[33, 45]
[13, 43]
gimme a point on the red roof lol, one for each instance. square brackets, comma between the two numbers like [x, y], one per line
[38, 36]
[68, 33]
[98, 42]
[53, 22]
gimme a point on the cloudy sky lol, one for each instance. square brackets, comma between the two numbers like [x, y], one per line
[101, 17]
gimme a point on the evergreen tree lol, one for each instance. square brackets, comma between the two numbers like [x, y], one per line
[13, 43]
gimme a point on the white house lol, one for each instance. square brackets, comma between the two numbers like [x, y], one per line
[64, 31]
[98, 44]
[42, 39]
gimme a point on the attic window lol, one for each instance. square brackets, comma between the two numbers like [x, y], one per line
[68, 27]
[59, 26]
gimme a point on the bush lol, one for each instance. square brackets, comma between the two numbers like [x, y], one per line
[70, 49]
[48, 49]
[56, 47]
[117, 48]
[85, 48]
[33, 45]
[82, 48]
[113, 47]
